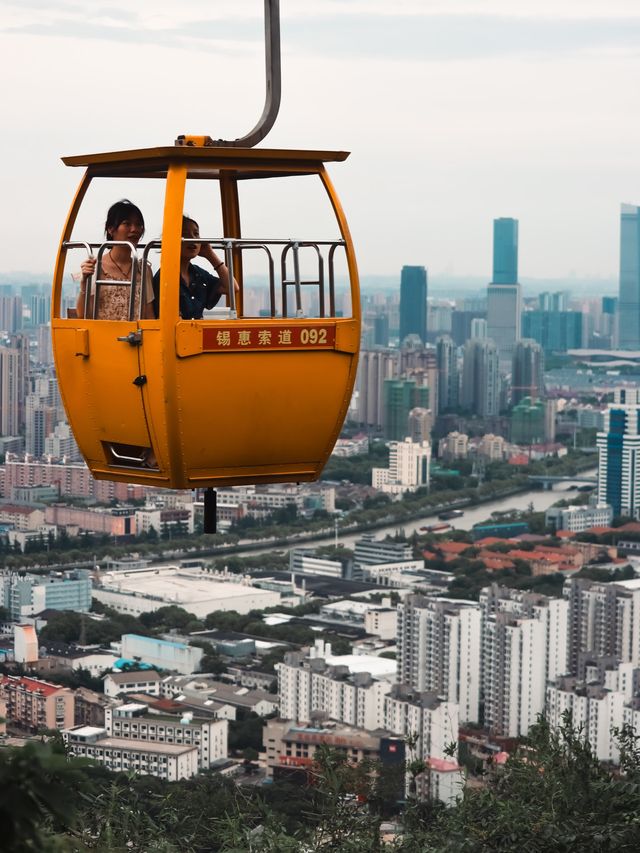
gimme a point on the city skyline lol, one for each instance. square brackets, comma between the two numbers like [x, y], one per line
[510, 110]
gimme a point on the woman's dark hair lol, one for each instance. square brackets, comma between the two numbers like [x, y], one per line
[186, 219]
[119, 212]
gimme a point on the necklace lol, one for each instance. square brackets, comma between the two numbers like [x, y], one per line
[126, 277]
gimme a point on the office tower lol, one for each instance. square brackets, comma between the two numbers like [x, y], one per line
[413, 303]
[10, 314]
[629, 300]
[609, 321]
[14, 371]
[448, 380]
[408, 470]
[604, 620]
[400, 397]
[461, 325]
[527, 375]
[374, 369]
[558, 301]
[556, 331]
[381, 330]
[504, 296]
[505, 251]
[619, 454]
[525, 643]
[480, 388]
[439, 650]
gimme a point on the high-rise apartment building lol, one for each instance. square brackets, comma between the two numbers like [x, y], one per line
[619, 454]
[14, 372]
[439, 650]
[448, 378]
[604, 619]
[527, 376]
[10, 314]
[375, 367]
[504, 296]
[413, 303]
[400, 397]
[629, 299]
[40, 309]
[524, 645]
[480, 388]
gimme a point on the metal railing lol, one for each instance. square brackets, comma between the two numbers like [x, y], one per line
[233, 247]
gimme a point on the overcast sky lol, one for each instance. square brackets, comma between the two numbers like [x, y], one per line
[455, 111]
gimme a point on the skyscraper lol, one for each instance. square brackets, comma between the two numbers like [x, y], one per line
[527, 373]
[439, 650]
[447, 373]
[505, 251]
[480, 389]
[400, 397]
[504, 296]
[629, 302]
[413, 303]
[619, 454]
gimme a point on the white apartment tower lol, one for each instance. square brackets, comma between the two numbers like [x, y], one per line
[604, 618]
[439, 650]
[524, 645]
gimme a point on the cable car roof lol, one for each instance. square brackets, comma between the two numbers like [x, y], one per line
[249, 162]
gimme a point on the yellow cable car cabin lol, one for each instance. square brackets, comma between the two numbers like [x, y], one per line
[254, 392]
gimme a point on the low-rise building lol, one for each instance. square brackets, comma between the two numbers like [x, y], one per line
[35, 704]
[147, 589]
[140, 681]
[257, 701]
[163, 654]
[133, 722]
[26, 595]
[579, 518]
[168, 761]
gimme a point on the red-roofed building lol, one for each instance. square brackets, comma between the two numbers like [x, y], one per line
[21, 517]
[565, 534]
[34, 704]
[495, 565]
[453, 548]
[629, 527]
[446, 780]
[519, 459]
[490, 540]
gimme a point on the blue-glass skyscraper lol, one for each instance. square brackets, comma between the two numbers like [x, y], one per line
[504, 297]
[619, 454]
[505, 251]
[413, 303]
[629, 303]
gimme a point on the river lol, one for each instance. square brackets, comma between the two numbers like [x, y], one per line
[541, 501]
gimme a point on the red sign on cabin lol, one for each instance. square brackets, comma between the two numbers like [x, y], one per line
[237, 338]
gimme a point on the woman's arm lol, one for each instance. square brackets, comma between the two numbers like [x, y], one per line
[87, 268]
[219, 267]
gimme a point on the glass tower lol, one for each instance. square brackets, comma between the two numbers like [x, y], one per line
[629, 303]
[413, 303]
[505, 251]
